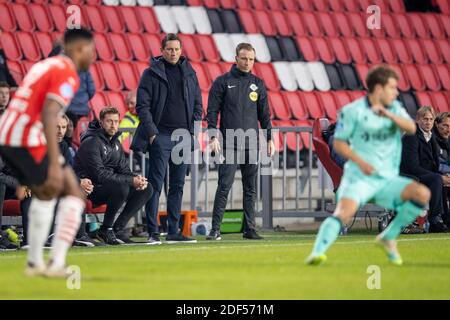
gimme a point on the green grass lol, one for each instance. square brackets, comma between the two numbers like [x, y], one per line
[237, 269]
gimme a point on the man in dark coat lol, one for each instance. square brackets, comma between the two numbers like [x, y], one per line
[168, 98]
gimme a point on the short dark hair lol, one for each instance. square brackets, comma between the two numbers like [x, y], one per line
[71, 35]
[442, 116]
[169, 37]
[380, 75]
[244, 46]
[4, 84]
[108, 110]
[424, 110]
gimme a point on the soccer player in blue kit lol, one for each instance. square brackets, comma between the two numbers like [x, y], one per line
[368, 134]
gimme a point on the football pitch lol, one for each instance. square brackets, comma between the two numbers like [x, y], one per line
[240, 269]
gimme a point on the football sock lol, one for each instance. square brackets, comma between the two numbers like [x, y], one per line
[39, 222]
[407, 212]
[68, 220]
[328, 233]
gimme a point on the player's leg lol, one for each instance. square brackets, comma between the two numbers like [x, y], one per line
[408, 198]
[330, 228]
[68, 219]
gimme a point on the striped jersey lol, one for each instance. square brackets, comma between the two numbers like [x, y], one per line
[54, 78]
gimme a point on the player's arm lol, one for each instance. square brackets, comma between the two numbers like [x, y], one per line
[403, 123]
[343, 149]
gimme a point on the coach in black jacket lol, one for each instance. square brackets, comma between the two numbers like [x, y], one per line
[241, 100]
[420, 159]
[102, 159]
[168, 98]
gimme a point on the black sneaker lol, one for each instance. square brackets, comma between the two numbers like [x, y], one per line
[124, 236]
[438, 228]
[109, 237]
[5, 244]
[252, 235]
[86, 241]
[214, 235]
[179, 238]
[154, 240]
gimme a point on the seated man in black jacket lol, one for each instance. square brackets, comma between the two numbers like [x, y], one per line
[420, 159]
[441, 131]
[102, 159]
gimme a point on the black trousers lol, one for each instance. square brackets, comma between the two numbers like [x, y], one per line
[7, 194]
[114, 196]
[434, 182]
[227, 171]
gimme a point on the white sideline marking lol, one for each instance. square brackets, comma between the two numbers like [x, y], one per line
[195, 247]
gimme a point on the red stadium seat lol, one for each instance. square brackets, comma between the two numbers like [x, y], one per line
[356, 51]
[128, 75]
[120, 46]
[153, 43]
[82, 126]
[9, 44]
[11, 208]
[40, 17]
[196, 3]
[294, 20]
[26, 64]
[358, 23]
[225, 4]
[292, 142]
[97, 77]
[404, 25]
[208, 47]
[397, 6]
[390, 26]
[419, 25]
[445, 22]
[403, 83]
[327, 24]
[113, 18]
[304, 136]
[312, 104]
[417, 51]
[149, 19]
[214, 70]
[400, 47]
[364, 4]
[312, 24]
[190, 48]
[444, 5]
[98, 102]
[278, 105]
[372, 50]
[116, 100]
[443, 72]
[305, 5]
[267, 72]
[362, 70]
[131, 19]
[265, 22]
[281, 23]
[290, 5]
[16, 70]
[7, 20]
[431, 80]
[44, 42]
[444, 47]
[343, 24]
[249, 21]
[434, 25]
[336, 5]
[138, 47]
[432, 51]
[340, 50]
[328, 104]
[440, 101]
[58, 15]
[103, 47]
[96, 18]
[243, 4]
[140, 67]
[112, 79]
[388, 54]
[23, 17]
[29, 47]
[321, 6]
[307, 49]
[325, 53]
[226, 66]
[203, 79]
[295, 105]
[342, 98]
[424, 99]
[414, 76]
[356, 94]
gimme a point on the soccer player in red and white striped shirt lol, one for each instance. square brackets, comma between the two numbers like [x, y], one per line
[28, 143]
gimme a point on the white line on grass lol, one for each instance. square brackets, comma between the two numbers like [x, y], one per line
[221, 247]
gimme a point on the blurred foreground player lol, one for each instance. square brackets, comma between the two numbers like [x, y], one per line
[368, 134]
[29, 144]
